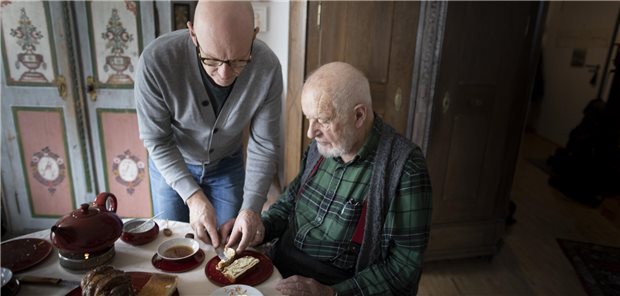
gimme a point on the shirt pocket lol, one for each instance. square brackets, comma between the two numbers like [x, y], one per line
[350, 213]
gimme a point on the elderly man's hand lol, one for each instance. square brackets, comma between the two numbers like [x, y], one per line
[299, 285]
[202, 218]
[248, 229]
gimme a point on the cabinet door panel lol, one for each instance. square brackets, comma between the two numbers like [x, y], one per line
[28, 44]
[115, 41]
[126, 170]
[41, 136]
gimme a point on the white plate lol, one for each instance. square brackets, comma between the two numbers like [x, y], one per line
[237, 290]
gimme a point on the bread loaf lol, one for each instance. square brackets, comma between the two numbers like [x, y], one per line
[106, 280]
[160, 285]
[239, 267]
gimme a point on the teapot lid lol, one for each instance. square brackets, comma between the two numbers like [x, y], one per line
[85, 211]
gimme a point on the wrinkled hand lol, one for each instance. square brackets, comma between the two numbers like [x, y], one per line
[225, 230]
[248, 229]
[299, 285]
[202, 218]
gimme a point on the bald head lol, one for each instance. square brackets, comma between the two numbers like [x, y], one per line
[339, 86]
[225, 25]
[336, 101]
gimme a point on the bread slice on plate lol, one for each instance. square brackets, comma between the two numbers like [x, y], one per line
[159, 284]
[239, 267]
[230, 254]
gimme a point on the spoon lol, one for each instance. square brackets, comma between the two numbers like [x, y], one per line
[144, 223]
[167, 231]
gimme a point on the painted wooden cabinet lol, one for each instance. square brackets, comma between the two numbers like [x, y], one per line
[69, 126]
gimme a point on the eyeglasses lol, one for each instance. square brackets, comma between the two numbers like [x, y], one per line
[236, 65]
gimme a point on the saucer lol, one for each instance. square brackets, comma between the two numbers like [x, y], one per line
[178, 265]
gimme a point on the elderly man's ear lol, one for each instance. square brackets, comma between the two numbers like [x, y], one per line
[361, 113]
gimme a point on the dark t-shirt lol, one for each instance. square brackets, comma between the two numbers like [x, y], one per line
[217, 94]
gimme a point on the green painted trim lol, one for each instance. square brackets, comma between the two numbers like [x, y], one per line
[59, 110]
[139, 28]
[7, 69]
[93, 54]
[48, 17]
[104, 160]
[77, 103]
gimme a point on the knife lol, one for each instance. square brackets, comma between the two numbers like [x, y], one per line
[39, 280]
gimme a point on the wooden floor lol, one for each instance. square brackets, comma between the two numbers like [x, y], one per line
[530, 261]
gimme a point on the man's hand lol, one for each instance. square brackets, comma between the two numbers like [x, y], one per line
[202, 218]
[299, 285]
[225, 230]
[248, 229]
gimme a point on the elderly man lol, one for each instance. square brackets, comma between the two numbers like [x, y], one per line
[196, 91]
[356, 219]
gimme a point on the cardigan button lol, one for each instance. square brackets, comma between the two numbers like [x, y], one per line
[205, 103]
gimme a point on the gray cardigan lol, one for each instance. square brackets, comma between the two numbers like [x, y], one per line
[178, 129]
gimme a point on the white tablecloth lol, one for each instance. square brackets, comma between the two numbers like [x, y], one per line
[135, 258]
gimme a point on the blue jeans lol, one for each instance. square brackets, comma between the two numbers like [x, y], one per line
[221, 182]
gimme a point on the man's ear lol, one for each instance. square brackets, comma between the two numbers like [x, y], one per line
[361, 113]
[256, 30]
[192, 34]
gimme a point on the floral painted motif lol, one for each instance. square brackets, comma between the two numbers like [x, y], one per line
[117, 39]
[48, 168]
[28, 37]
[128, 170]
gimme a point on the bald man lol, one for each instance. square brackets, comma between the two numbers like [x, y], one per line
[196, 91]
[356, 219]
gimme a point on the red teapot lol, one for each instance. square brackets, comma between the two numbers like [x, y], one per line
[90, 229]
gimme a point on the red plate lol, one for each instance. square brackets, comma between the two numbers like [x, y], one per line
[138, 280]
[261, 272]
[178, 265]
[21, 254]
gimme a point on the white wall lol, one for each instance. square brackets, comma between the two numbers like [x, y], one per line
[276, 32]
[570, 25]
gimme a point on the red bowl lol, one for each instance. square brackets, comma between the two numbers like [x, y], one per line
[134, 234]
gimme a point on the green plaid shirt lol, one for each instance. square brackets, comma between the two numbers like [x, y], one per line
[330, 206]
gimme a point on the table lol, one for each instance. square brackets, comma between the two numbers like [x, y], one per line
[134, 258]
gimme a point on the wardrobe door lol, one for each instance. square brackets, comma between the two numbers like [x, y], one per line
[113, 34]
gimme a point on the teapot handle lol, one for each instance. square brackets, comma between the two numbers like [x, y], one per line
[106, 200]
